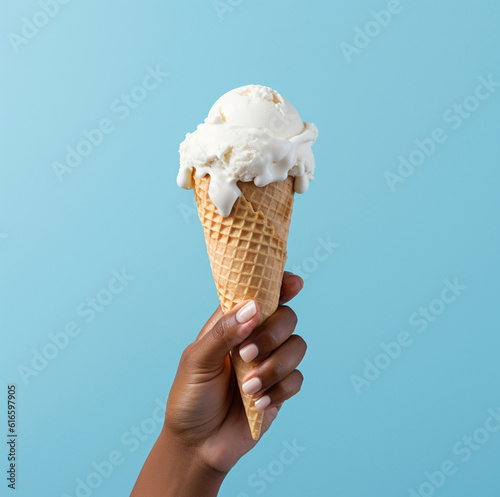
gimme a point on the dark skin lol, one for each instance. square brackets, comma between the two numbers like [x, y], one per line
[206, 431]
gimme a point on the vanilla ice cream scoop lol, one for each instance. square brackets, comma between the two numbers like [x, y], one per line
[251, 133]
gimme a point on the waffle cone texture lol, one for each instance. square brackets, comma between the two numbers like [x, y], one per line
[247, 252]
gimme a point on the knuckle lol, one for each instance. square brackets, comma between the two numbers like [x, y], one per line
[276, 330]
[187, 354]
[222, 329]
[300, 378]
[292, 385]
[290, 315]
[187, 351]
[277, 371]
[286, 390]
[268, 340]
[301, 344]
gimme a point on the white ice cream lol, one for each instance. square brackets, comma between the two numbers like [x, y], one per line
[253, 134]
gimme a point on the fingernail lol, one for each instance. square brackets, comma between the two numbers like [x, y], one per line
[252, 386]
[262, 403]
[249, 352]
[246, 313]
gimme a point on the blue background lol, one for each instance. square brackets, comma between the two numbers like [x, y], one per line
[121, 208]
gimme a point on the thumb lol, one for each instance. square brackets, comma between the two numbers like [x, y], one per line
[228, 332]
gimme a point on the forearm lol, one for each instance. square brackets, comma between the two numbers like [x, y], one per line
[172, 471]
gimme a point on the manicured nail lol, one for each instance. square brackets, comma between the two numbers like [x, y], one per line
[249, 352]
[252, 386]
[263, 402]
[246, 313]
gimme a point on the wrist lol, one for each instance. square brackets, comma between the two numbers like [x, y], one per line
[176, 469]
[196, 477]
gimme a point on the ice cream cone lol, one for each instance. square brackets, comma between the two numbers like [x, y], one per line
[252, 136]
[247, 252]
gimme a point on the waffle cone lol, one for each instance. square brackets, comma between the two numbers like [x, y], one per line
[247, 252]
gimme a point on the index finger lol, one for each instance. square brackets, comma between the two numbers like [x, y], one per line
[290, 287]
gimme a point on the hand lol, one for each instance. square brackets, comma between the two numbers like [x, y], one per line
[206, 430]
[204, 408]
